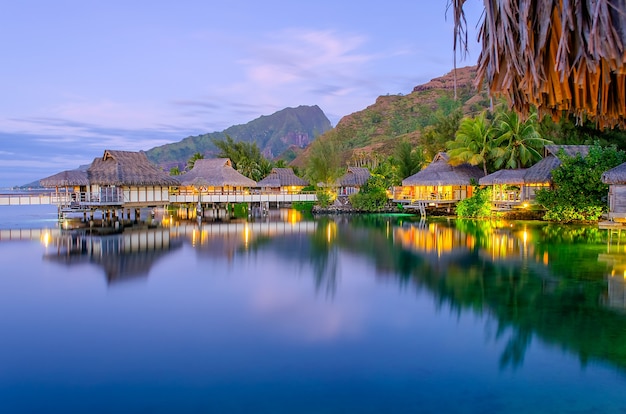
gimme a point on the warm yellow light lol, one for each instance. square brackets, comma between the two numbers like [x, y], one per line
[45, 238]
[525, 205]
[246, 235]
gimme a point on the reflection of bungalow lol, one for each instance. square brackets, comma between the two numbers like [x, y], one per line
[282, 180]
[216, 176]
[439, 183]
[352, 181]
[616, 179]
[518, 186]
[129, 179]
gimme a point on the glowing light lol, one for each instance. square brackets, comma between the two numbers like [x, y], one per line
[45, 238]
[246, 235]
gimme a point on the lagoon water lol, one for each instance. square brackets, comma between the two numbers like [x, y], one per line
[369, 314]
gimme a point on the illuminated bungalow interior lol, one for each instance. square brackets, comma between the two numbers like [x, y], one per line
[440, 181]
[282, 180]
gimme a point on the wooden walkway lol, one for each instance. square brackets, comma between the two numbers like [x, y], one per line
[61, 199]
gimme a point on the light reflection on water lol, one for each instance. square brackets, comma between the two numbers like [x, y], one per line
[364, 314]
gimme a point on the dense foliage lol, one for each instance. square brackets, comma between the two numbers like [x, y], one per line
[578, 193]
[505, 142]
[477, 206]
[372, 196]
[245, 156]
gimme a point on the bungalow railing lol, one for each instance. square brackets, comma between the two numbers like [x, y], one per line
[425, 196]
[106, 196]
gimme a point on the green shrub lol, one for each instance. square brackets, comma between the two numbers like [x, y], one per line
[240, 210]
[324, 198]
[477, 206]
[303, 206]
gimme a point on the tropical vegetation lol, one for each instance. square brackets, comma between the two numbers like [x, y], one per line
[578, 193]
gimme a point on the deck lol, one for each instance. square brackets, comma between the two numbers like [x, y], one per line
[79, 201]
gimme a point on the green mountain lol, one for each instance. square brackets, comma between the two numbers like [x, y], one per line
[283, 134]
[372, 133]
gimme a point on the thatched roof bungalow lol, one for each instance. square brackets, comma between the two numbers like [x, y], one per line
[616, 179]
[553, 55]
[126, 168]
[128, 178]
[283, 180]
[540, 175]
[520, 185]
[352, 181]
[66, 179]
[440, 181]
[118, 178]
[216, 175]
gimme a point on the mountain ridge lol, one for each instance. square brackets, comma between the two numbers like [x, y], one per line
[287, 131]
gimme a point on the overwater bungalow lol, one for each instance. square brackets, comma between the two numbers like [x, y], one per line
[128, 179]
[70, 186]
[352, 181]
[508, 186]
[519, 186]
[282, 180]
[439, 184]
[616, 179]
[118, 179]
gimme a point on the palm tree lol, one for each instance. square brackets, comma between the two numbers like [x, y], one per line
[408, 160]
[192, 161]
[518, 143]
[473, 142]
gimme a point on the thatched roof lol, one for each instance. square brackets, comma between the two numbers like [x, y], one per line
[355, 176]
[511, 177]
[542, 171]
[440, 172]
[127, 168]
[615, 175]
[215, 172]
[554, 55]
[569, 150]
[68, 178]
[281, 177]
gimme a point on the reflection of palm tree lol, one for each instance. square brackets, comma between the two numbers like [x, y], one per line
[518, 142]
[473, 142]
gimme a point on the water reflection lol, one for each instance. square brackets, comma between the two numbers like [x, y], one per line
[560, 285]
[121, 256]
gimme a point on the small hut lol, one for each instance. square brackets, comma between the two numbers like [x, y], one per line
[216, 176]
[352, 181]
[282, 180]
[440, 182]
[540, 175]
[128, 178]
[70, 186]
[508, 186]
[616, 179]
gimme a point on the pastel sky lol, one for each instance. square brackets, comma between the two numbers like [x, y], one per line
[79, 77]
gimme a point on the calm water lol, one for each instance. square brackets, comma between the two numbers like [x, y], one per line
[363, 315]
